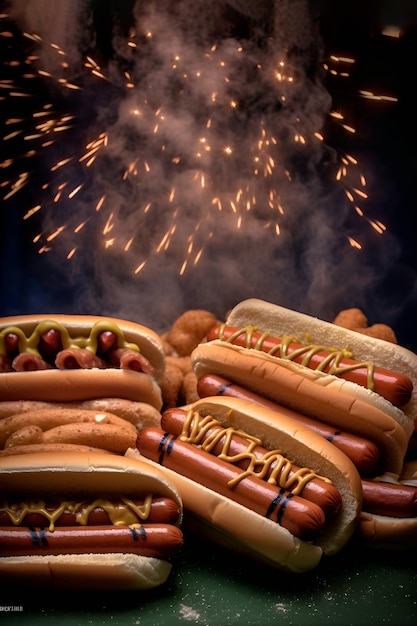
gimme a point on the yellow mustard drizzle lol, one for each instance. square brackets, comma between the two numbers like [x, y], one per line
[272, 465]
[30, 343]
[125, 512]
[332, 361]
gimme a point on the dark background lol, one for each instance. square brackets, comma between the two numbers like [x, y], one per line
[386, 136]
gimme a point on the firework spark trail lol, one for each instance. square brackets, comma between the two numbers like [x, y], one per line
[255, 179]
[193, 144]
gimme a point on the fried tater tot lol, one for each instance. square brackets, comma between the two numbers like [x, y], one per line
[182, 362]
[380, 331]
[189, 388]
[189, 330]
[351, 318]
[171, 385]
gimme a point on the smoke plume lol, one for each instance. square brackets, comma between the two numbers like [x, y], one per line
[215, 181]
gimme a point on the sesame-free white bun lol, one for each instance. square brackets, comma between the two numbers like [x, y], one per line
[234, 526]
[325, 397]
[280, 321]
[78, 476]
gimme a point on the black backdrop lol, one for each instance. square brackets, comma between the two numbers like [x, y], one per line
[386, 135]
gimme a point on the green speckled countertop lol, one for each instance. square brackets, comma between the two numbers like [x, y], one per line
[209, 587]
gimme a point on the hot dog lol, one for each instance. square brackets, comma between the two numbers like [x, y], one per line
[389, 515]
[93, 521]
[302, 519]
[77, 380]
[160, 541]
[248, 452]
[390, 499]
[79, 357]
[393, 386]
[217, 492]
[100, 512]
[363, 453]
[342, 404]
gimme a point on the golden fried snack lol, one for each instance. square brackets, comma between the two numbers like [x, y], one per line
[189, 330]
[379, 331]
[182, 362]
[355, 319]
[166, 346]
[171, 384]
[351, 318]
[189, 388]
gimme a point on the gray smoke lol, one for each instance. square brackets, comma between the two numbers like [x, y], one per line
[213, 147]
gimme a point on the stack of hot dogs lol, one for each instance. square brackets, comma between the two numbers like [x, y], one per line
[75, 512]
[302, 438]
[283, 393]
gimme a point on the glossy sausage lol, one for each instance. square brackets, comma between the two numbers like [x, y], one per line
[393, 386]
[157, 540]
[391, 499]
[302, 518]
[324, 494]
[363, 453]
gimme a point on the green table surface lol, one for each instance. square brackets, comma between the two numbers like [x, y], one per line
[209, 586]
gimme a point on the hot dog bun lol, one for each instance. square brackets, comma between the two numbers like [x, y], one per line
[280, 321]
[140, 414]
[215, 516]
[385, 532]
[340, 403]
[284, 384]
[83, 476]
[85, 384]
[62, 385]
[109, 424]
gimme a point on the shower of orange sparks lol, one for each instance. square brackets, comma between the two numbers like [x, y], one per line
[264, 161]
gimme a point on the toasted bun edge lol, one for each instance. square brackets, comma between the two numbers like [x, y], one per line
[325, 402]
[80, 384]
[45, 474]
[93, 572]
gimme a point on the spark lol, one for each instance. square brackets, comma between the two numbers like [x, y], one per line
[354, 243]
[75, 191]
[55, 234]
[109, 224]
[140, 267]
[339, 59]
[32, 211]
[80, 227]
[100, 203]
[372, 96]
[55, 167]
[128, 244]
[264, 167]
